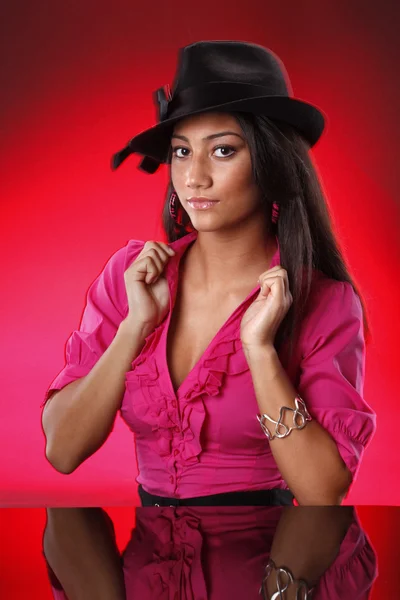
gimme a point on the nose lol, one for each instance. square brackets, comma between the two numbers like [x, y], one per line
[197, 174]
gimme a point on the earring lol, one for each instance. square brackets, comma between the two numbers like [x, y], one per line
[178, 215]
[173, 206]
[275, 212]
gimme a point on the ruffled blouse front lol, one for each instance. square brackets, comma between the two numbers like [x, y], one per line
[205, 438]
[171, 425]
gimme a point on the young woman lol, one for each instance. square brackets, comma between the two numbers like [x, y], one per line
[235, 352]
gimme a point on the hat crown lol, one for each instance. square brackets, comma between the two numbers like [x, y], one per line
[230, 62]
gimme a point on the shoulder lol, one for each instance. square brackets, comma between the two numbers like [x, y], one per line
[330, 298]
[333, 314]
[109, 283]
[121, 258]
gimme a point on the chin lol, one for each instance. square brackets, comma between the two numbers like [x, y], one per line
[207, 227]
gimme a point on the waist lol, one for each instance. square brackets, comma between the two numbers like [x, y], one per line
[270, 497]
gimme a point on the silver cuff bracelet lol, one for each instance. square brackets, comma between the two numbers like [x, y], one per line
[300, 418]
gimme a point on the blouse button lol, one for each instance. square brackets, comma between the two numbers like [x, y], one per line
[177, 429]
[174, 403]
[171, 479]
[176, 452]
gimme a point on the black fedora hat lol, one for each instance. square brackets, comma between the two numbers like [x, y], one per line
[227, 76]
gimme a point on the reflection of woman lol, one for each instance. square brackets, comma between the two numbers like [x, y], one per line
[197, 553]
[237, 393]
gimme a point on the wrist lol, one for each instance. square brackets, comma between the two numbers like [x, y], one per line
[259, 352]
[133, 328]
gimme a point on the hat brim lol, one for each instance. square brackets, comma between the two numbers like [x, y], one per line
[155, 141]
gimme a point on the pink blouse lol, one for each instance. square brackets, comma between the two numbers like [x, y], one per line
[205, 438]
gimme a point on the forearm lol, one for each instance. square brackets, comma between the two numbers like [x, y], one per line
[80, 547]
[80, 417]
[308, 459]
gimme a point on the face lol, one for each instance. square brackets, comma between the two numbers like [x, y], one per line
[211, 160]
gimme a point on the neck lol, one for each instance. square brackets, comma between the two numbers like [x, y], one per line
[230, 260]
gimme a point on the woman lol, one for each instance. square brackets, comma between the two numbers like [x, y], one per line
[235, 352]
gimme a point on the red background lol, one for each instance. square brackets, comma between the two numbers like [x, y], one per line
[76, 81]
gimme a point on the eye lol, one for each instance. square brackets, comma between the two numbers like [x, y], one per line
[224, 147]
[175, 150]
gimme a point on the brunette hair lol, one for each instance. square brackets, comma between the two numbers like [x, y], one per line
[284, 171]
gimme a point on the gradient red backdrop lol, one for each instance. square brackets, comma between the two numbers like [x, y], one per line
[77, 83]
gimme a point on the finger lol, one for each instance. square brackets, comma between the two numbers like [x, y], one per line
[277, 270]
[154, 254]
[153, 269]
[280, 280]
[273, 272]
[164, 251]
[280, 275]
[274, 268]
[145, 266]
[167, 248]
[161, 247]
[150, 248]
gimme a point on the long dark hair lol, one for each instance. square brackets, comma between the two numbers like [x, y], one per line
[286, 175]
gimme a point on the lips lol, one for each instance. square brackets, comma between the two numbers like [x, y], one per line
[201, 202]
[201, 199]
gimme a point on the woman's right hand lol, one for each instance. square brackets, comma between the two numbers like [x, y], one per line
[147, 289]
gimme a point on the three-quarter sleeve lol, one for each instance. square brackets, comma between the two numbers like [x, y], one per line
[331, 380]
[106, 307]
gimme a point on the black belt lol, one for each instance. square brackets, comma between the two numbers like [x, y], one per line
[272, 497]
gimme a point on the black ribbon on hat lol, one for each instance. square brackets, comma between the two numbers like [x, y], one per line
[161, 97]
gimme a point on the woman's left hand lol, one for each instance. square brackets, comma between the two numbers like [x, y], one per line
[262, 319]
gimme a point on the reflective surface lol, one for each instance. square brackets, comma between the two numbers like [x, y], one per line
[199, 553]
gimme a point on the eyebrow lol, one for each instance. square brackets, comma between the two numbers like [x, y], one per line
[209, 137]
